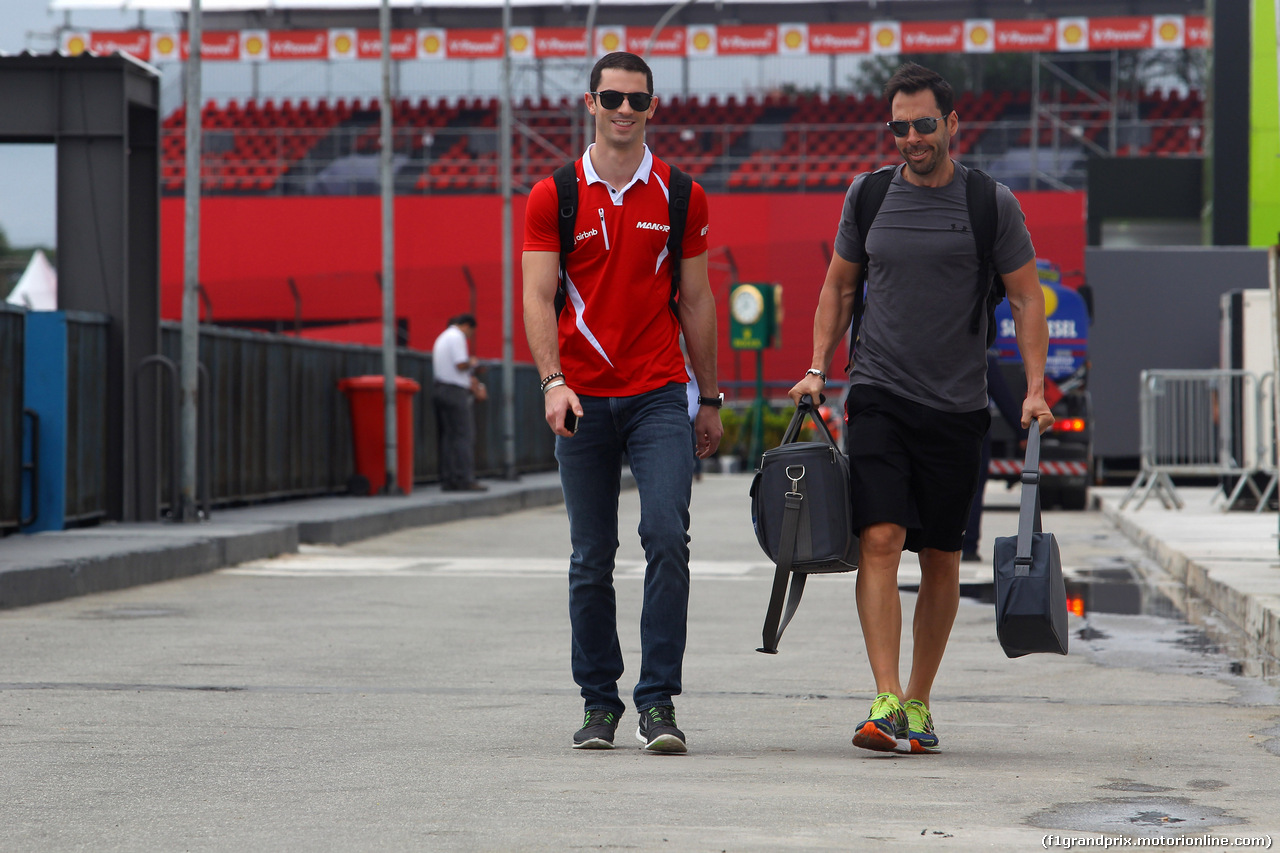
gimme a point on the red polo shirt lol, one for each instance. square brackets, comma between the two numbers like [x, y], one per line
[618, 336]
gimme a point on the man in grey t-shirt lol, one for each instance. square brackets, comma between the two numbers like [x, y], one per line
[917, 403]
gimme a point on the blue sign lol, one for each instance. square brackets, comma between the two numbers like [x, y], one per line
[1068, 327]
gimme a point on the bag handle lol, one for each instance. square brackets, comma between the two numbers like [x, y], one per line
[1029, 522]
[804, 409]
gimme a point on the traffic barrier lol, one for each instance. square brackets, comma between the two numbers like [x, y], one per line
[1207, 423]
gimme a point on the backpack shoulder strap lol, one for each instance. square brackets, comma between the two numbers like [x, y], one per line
[566, 180]
[980, 196]
[875, 187]
[679, 192]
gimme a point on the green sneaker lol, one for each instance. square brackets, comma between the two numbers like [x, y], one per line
[920, 735]
[885, 728]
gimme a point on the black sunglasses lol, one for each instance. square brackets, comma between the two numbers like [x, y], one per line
[923, 126]
[611, 100]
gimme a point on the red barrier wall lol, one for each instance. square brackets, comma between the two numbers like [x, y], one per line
[331, 248]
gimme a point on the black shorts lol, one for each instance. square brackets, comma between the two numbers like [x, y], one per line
[913, 466]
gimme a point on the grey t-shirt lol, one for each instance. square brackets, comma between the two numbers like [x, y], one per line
[922, 286]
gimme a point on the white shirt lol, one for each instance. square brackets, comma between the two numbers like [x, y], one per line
[449, 351]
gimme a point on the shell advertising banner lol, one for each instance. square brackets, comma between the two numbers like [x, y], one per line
[884, 37]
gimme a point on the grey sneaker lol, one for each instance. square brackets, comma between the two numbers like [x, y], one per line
[597, 730]
[658, 730]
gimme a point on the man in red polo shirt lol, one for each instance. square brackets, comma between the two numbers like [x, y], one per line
[614, 379]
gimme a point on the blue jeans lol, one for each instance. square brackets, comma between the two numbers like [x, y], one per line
[653, 431]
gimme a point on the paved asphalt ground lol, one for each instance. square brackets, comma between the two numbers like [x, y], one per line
[412, 692]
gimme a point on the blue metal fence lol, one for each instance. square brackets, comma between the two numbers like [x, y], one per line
[12, 327]
[275, 423]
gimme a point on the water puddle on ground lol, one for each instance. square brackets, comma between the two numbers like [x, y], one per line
[1132, 616]
[1131, 620]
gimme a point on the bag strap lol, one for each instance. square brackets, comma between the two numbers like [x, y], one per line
[806, 408]
[875, 187]
[566, 181]
[980, 198]
[680, 190]
[1029, 512]
[774, 615]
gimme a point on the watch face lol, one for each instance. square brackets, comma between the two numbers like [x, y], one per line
[747, 304]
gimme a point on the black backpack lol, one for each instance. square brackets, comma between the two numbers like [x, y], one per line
[980, 195]
[566, 180]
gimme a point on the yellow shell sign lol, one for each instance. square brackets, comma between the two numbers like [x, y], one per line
[254, 46]
[76, 46]
[519, 43]
[1168, 31]
[431, 45]
[342, 44]
[701, 41]
[884, 37]
[611, 42]
[793, 39]
[979, 36]
[165, 45]
[1073, 34]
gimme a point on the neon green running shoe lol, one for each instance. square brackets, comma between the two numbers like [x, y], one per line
[885, 728]
[920, 735]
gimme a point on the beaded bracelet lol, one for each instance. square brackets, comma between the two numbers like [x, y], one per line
[546, 380]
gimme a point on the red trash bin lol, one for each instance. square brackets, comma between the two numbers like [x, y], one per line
[368, 430]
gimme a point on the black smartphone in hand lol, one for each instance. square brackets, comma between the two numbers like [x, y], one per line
[570, 421]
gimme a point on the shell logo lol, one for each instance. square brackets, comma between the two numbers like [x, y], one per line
[343, 43]
[793, 39]
[884, 37]
[76, 45]
[431, 45]
[1073, 34]
[1050, 300]
[979, 36]
[701, 41]
[254, 46]
[611, 42]
[1168, 31]
[165, 45]
[519, 43]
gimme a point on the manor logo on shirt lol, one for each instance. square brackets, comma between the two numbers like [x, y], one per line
[579, 237]
[652, 226]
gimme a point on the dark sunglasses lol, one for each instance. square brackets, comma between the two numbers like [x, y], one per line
[923, 126]
[611, 100]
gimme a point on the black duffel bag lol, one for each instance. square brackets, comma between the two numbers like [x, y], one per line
[801, 513]
[1031, 597]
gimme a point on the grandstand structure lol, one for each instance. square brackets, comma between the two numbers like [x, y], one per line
[752, 95]
[775, 143]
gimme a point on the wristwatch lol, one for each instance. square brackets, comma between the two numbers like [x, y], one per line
[714, 402]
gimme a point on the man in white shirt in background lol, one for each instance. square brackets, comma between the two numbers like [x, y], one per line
[454, 393]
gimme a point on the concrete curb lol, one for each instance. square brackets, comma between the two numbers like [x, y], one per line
[52, 566]
[1245, 597]
[44, 567]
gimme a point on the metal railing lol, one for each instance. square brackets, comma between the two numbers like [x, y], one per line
[1206, 423]
[86, 459]
[12, 328]
[280, 428]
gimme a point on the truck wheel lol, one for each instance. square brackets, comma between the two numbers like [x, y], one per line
[1074, 498]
